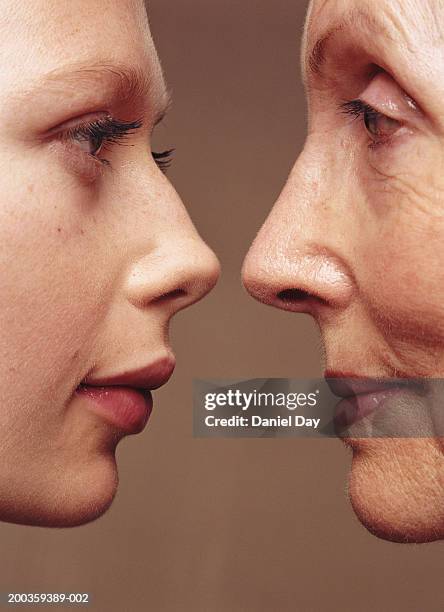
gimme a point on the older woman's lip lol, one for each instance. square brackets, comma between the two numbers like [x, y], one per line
[351, 385]
[362, 395]
[353, 408]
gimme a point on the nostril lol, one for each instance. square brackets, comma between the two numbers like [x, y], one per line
[293, 295]
[171, 295]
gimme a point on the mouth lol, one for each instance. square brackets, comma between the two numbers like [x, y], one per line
[350, 384]
[124, 400]
[362, 395]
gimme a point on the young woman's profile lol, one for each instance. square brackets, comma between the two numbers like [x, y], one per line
[97, 251]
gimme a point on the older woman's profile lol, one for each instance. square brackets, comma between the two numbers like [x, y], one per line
[356, 240]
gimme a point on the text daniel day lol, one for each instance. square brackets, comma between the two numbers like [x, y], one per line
[295, 420]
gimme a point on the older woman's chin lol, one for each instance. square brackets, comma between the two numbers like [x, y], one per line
[396, 488]
[75, 497]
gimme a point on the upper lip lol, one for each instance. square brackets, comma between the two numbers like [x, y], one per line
[146, 378]
[346, 384]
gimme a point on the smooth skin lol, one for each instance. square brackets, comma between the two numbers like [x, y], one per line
[356, 238]
[96, 258]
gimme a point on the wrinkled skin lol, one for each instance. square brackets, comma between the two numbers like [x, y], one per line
[358, 231]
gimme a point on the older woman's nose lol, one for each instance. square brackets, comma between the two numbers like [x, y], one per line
[293, 263]
[175, 274]
[304, 279]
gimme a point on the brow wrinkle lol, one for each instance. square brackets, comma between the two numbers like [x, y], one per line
[354, 18]
[317, 56]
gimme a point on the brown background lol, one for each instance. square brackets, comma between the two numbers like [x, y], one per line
[229, 525]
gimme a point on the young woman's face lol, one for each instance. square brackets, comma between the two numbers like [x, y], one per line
[356, 238]
[97, 251]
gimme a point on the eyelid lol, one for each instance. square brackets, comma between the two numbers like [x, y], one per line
[103, 125]
[73, 123]
[385, 96]
[110, 129]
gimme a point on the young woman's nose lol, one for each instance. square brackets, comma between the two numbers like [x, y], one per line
[175, 274]
[296, 263]
[162, 266]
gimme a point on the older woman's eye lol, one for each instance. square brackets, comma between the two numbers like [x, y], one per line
[380, 127]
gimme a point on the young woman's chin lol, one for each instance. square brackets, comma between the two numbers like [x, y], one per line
[69, 496]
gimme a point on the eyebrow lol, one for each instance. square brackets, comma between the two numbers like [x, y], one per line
[354, 18]
[123, 83]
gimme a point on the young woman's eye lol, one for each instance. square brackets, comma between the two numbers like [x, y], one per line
[163, 159]
[95, 137]
[380, 127]
[92, 137]
[89, 144]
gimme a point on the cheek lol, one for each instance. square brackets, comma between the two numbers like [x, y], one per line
[58, 273]
[53, 294]
[400, 269]
[405, 278]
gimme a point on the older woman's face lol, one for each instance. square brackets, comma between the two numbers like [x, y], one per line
[96, 255]
[356, 238]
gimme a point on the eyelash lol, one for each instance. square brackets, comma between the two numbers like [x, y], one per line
[358, 109]
[163, 159]
[108, 130]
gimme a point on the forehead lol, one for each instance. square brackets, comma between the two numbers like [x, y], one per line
[407, 22]
[42, 36]
[403, 37]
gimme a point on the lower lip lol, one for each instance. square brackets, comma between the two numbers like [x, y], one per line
[353, 409]
[126, 409]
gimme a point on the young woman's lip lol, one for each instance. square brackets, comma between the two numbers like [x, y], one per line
[125, 399]
[125, 408]
[148, 377]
